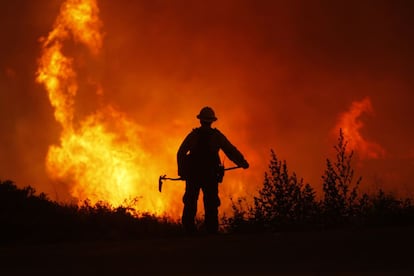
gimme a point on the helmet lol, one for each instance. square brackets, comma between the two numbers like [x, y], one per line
[207, 114]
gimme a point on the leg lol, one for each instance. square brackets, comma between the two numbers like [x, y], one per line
[211, 204]
[190, 198]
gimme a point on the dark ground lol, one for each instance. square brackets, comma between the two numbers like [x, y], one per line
[381, 251]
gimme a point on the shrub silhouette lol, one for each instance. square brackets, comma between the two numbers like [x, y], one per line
[283, 199]
[285, 202]
[383, 208]
[27, 217]
[340, 200]
[282, 202]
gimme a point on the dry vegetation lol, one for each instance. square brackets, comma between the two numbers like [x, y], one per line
[284, 203]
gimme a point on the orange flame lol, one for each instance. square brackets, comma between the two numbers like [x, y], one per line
[351, 125]
[101, 157]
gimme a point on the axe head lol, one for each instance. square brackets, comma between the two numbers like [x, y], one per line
[160, 182]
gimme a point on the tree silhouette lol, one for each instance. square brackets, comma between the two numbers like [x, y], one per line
[284, 199]
[340, 190]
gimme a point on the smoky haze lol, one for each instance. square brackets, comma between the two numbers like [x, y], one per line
[279, 74]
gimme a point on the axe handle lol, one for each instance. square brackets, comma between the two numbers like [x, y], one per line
[172, 178]
[164, 177]
[232, 168]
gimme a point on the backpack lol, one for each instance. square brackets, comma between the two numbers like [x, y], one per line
[204, 160]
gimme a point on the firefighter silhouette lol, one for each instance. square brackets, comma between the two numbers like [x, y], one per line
[200, 166]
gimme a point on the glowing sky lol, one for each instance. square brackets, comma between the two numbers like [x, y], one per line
[279, 74]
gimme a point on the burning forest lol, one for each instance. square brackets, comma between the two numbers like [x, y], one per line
[96, 109]
[101, 157]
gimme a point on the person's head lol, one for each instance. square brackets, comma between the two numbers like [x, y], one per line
[207, 116]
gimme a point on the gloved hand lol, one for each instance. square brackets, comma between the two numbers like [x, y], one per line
[182, 174]
[244, 164]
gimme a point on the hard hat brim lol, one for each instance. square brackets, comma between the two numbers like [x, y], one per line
[207, 119]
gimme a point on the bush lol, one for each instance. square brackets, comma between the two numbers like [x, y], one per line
[284, 202]
[27, 217]
[340, 200]
[283, 199]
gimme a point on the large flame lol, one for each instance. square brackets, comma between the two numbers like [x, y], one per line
[102, 156]
[351, 126]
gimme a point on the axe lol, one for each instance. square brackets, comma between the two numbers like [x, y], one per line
[164, 177]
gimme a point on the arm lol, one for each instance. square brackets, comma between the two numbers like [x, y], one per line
[182, 153]
[231, 151]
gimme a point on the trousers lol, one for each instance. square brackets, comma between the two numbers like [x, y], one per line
[211, 203]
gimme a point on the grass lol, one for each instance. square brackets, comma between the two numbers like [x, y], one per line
[29, 217]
